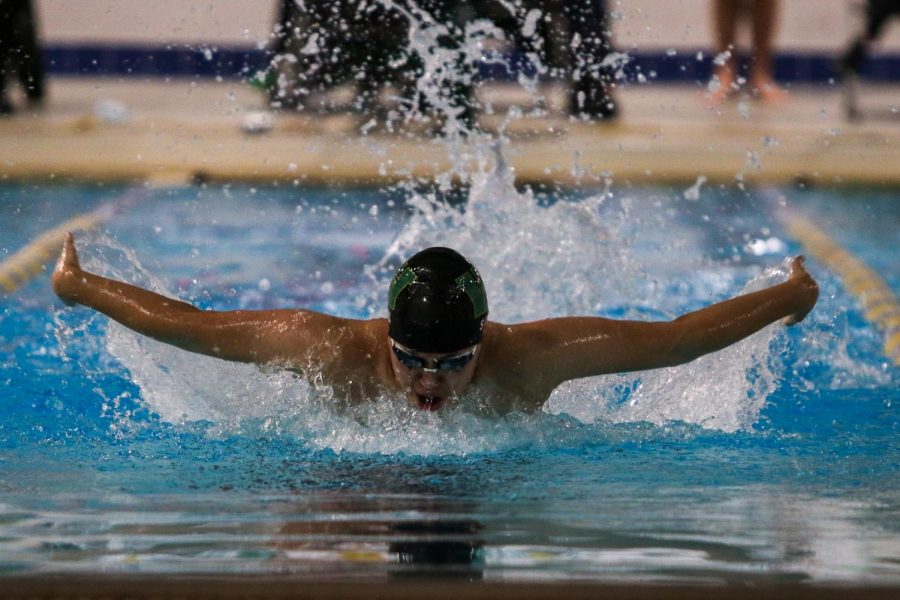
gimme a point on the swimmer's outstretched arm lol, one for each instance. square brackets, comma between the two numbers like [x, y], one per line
[570, 348]
[244, 336]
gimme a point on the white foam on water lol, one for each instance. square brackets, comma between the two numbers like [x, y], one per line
[536, 261]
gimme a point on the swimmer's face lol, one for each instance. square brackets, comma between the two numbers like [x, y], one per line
[431, 380]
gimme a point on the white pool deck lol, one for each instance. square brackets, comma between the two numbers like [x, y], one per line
[169, 132]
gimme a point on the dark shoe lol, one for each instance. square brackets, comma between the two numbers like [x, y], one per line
[852, 60]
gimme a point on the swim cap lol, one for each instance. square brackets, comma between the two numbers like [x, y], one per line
[437, 302]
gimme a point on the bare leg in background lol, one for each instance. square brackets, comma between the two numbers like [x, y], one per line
[764, 17]
[765, 20]
[725, 14]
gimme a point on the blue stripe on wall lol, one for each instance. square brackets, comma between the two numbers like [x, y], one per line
[152, 61]
[170, 61]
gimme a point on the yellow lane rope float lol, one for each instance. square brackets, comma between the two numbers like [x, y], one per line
[30, 261]
[880, 305]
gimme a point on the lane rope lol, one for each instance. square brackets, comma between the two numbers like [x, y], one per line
[33, 259]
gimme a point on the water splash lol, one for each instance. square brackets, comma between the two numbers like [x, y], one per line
[576, 258]
[602, 254]
[537, 261]
[725, 390]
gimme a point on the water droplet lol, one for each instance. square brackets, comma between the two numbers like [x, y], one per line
[720, 58]
[693, 192]
[753, 161]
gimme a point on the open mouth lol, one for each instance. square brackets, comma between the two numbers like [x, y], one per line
[429, 402]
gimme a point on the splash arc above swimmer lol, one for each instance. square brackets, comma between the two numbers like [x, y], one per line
[437, 346]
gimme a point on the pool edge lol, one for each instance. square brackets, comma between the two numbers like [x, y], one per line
[188, 586]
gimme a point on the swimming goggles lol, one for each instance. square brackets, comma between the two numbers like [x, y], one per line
[451, 364]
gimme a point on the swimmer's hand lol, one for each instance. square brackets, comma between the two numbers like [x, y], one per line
[67, 275]
[807, 291]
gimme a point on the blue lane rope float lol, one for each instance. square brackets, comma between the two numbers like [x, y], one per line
[32, 260]
[879, 304]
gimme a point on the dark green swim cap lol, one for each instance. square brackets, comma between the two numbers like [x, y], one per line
[437, 302]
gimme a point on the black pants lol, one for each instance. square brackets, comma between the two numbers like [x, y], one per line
[877, 14]
[326, 42]
[20, 53]
[572, 38]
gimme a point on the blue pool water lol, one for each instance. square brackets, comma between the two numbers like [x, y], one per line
[774, 460]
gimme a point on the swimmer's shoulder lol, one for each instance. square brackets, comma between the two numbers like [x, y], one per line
[341, 331]
[364, 356]
[346, 350]
[360, 339]
[513, 360]
[312, 333]
[374, 329]
[305, 318]
[519, 337]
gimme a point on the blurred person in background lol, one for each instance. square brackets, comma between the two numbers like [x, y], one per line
[727, 80]
[877, 13]
[319, 45]
[20, 53]
[572, 39]
[591, 79]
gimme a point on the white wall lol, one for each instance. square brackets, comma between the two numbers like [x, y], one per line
[813, 25]
[805, 25]
[226, 22]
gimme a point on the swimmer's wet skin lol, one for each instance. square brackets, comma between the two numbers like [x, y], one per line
[427, 393]
[437, 345]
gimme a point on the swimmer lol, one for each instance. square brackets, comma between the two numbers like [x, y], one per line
[437, 345]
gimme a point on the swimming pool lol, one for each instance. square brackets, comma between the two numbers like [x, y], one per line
[772, 461]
